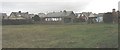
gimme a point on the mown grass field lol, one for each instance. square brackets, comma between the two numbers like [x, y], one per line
[60, 36]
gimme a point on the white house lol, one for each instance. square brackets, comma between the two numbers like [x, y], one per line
[99, 17]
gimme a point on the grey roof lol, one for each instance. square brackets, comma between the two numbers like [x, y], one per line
[23, 14]
[31, 15]
[78, 14]
[100, 15]
[3, 14]
[59, 14]
[92, 15]
[41, 14]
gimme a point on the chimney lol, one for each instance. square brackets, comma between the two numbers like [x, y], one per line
[60, 11]
[27, 12]
[113, 10]
[19, 11]
[64, 11]
[118, 11]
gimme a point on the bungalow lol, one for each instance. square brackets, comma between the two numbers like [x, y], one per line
[60, 17]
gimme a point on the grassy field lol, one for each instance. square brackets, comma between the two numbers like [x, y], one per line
[60, 36]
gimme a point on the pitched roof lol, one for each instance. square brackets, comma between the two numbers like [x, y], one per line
[78, 15]
[91, 15]
[24, 15]
[87, 14]
[59, 14]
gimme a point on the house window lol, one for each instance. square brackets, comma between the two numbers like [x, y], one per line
[53, 19]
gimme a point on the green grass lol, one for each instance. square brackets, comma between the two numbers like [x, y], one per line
[60, 36]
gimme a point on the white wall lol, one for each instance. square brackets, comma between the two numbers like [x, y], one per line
[99, 19]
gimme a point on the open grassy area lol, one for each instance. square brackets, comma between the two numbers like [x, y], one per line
[60, 36]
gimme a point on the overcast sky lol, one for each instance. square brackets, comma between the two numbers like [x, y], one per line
[45, 6]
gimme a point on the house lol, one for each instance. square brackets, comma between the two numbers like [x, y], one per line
[88, 17]
[3, 16]
[85, 15]
[79, 17]
[92, 18]
[60, 17]
[19, 15]
[111, 17]
[107, 17]
[17, 18]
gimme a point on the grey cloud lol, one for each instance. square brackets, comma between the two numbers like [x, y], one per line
[36, 7]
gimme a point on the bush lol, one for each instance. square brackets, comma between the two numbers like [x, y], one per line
[36, 18]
